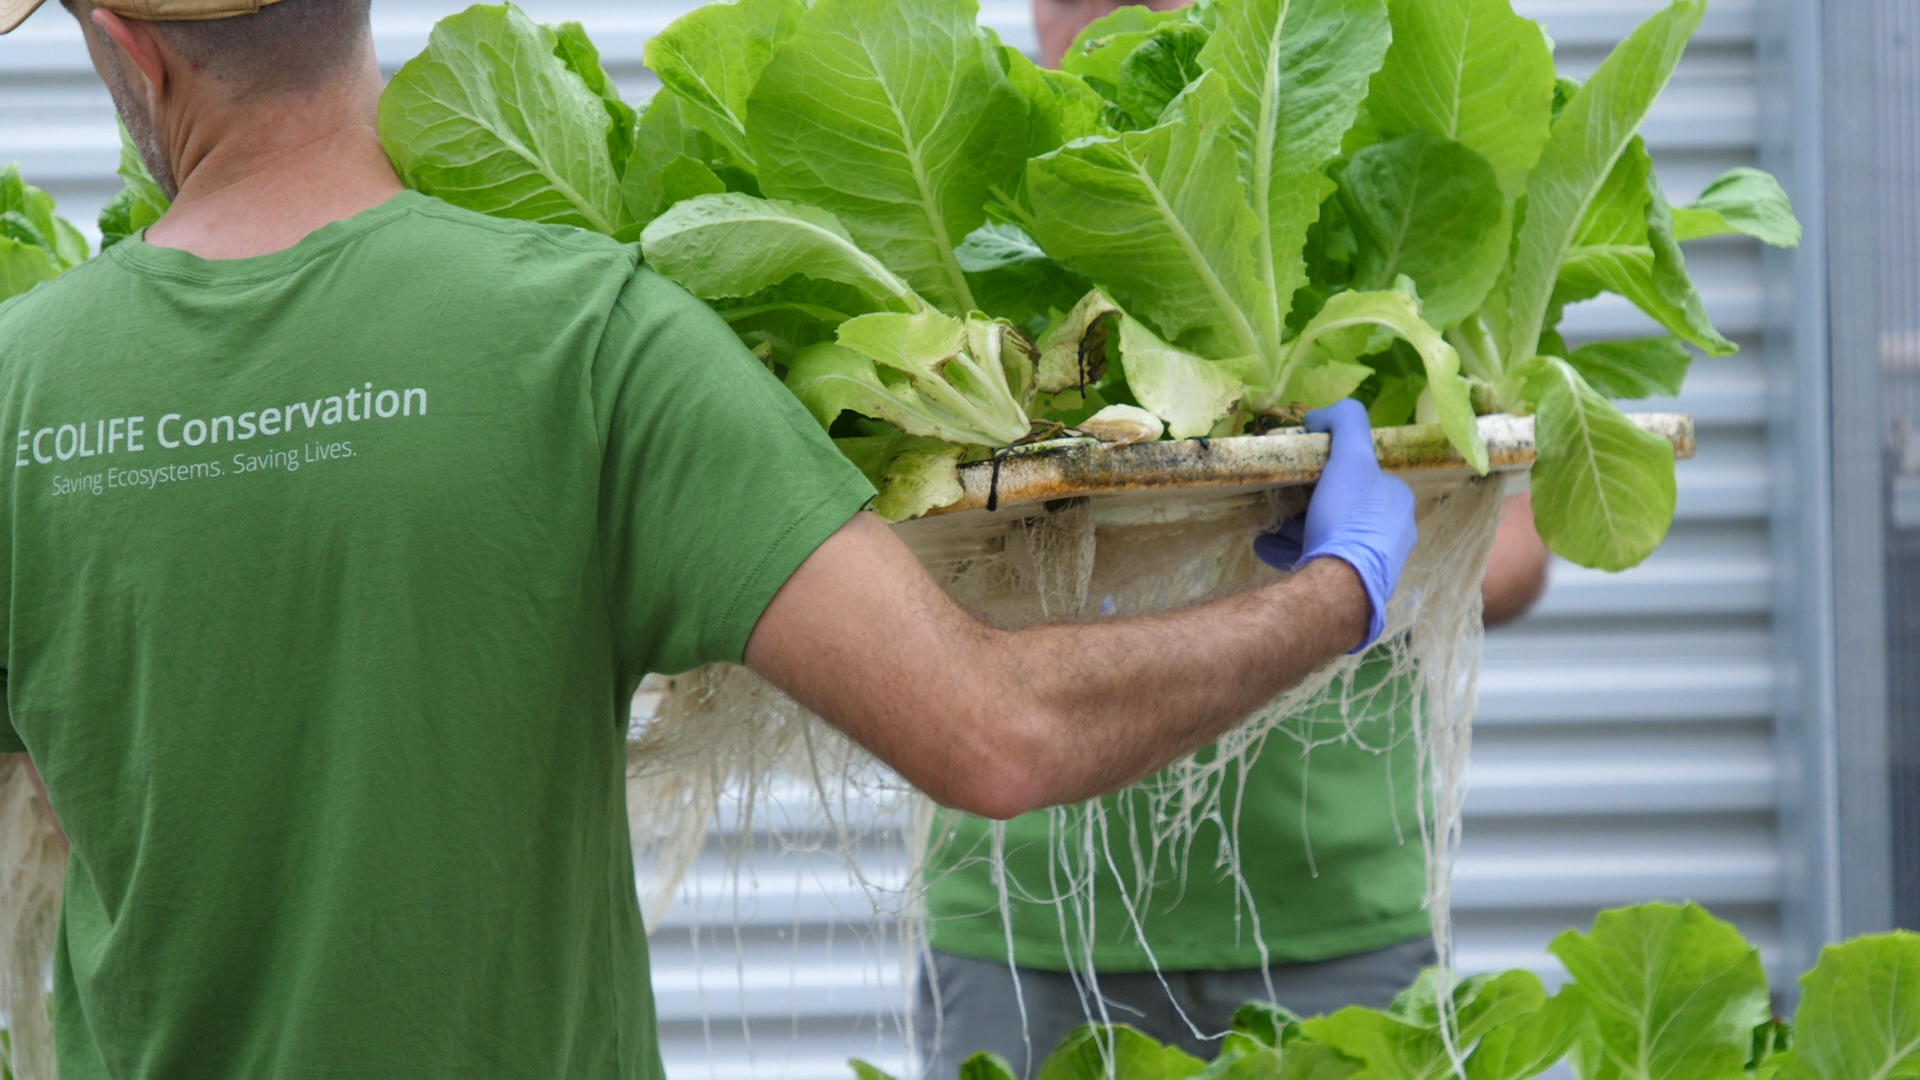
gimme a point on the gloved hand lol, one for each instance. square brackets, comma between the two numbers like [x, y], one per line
[1358, 514]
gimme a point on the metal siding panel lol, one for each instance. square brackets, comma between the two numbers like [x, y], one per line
[1625, 749]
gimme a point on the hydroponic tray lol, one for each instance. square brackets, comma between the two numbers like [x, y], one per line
[1080, 467]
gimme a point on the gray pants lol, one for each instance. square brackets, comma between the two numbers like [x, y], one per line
[978, 1009]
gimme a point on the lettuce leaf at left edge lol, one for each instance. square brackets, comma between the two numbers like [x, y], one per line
[491, 118]
[27, 216]
[22, 266]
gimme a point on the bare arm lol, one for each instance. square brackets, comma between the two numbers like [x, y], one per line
[1517, 569]
[999, 723]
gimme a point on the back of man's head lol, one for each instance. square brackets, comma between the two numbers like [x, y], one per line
[292, 46]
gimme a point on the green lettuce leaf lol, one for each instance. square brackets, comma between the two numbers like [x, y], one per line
[36, 244]
[1239, 1061]
[1586, 141]
[1267, 1023]
[730, 245]
[668, 150]
[1431, 209]
[780, 320]
[1157, 219]
[27, 217]
[897, 116]
[1097, 1053]
[1320, 344]
[1474, 72]
[1295, 72]
[1191, 394]
[1157, 71]
[713, 56]
[1105, 43]
[830, 380]
[1393, 1048]
[986, 1065]
[1603, 491]
[1674, 993]
[962, 377]
[1013, 278]
[1626, 245]
[912, 474]
[1859, 1012]
[139, 202]
[1405, 1043]
[1635, 368]
[22, 266]
[1530, 1044]
[686, 178]
[578, 53]
[490, 118]
[1060, 107]
[1771, 1041]
[1312, 1061]
[1744, 201]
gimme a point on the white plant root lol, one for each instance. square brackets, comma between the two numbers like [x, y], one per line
[724, 735]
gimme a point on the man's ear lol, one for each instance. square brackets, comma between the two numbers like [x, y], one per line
[142, 44]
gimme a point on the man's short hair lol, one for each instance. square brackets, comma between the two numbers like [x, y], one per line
[286, 47]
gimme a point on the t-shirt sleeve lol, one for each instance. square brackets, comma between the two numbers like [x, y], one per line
[9, 739]
[716, 485]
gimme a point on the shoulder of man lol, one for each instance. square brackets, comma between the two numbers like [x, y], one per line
[564, 238]
[18, 313]
[27, 319]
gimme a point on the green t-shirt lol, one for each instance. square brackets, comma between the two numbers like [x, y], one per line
[1329, 844]
[330, 575]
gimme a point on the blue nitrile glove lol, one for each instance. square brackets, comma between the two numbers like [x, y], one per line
[1358, 514]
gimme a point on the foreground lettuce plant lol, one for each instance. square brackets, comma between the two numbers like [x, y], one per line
[1655, 992]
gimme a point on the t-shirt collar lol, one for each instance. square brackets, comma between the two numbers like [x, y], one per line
[137, 255]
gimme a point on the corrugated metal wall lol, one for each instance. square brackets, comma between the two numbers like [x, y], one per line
[1625, 745]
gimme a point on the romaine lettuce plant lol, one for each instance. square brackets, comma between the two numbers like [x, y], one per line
[1654, 992]
[1367, 160]
[1225, 214]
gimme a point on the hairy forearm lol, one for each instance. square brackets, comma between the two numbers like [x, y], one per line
[1096, 706]
[999, 722]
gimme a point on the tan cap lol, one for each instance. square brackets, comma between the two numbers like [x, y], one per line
[15, 12]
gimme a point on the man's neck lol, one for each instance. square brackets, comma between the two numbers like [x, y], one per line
[259, 179]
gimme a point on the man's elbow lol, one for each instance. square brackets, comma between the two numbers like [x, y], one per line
[998, 774]
[1000, 795]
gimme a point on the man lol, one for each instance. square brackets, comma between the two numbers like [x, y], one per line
[1330, 911]
[327, 674]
